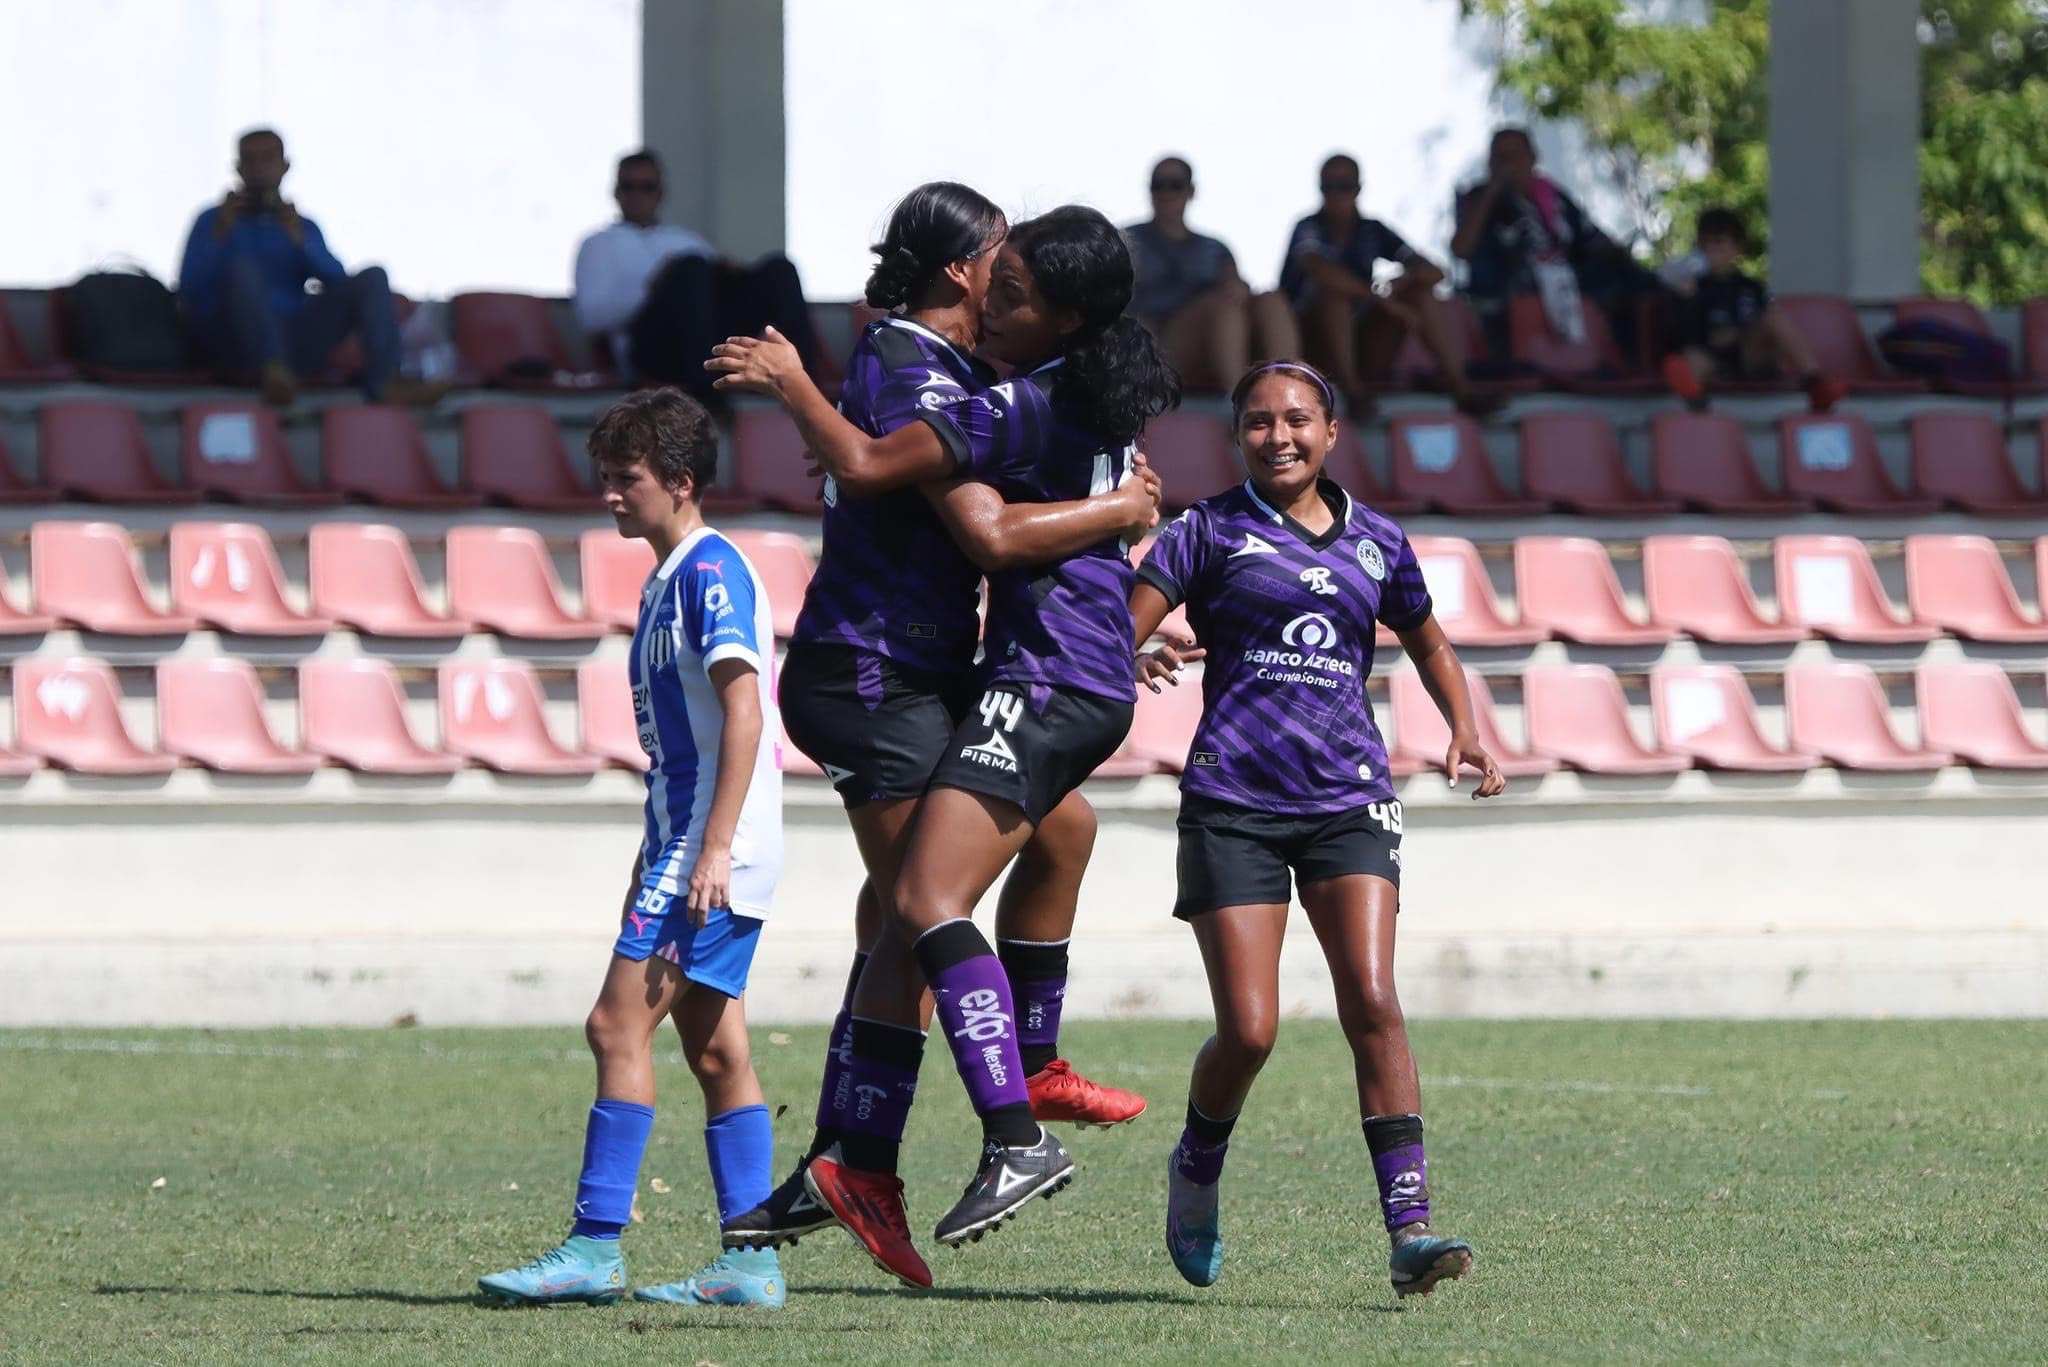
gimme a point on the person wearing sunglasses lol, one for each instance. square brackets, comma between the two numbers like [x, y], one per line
[1191, 296]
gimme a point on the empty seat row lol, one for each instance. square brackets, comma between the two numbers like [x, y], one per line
[227, 576]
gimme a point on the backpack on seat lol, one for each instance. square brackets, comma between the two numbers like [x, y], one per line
[124, 321]
[1940, 351]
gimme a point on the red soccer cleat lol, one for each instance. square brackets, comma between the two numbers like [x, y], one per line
[1060, 1094]
[870, 1206]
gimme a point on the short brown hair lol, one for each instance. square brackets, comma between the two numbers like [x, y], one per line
[664, 428]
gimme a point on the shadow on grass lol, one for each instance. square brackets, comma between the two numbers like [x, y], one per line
[1059, 1295]
[286, 1293]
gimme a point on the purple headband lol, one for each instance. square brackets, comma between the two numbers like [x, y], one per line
[1329, 399]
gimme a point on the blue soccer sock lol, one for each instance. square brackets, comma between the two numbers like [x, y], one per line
[614, 1138]
[741, 1146]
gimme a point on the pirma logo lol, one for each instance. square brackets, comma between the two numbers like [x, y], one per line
[1371, 561]
[1310, 631]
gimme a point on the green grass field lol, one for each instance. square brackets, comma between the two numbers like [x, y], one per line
[1834, 1192]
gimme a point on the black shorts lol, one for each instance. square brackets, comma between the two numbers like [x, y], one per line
[1232, 856]
[876, 728]
[1031, 758]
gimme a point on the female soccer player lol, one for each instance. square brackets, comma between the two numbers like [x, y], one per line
[881, 666]
[1283, 578]
[1056, 702]
[706, 874]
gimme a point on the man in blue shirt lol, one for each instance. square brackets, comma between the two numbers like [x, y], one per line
[243, 287]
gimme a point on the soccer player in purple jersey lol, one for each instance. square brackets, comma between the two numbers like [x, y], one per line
[1284, 577]
[1056, 701]
[881, 668]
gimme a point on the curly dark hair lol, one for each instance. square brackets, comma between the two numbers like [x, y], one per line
[666, 429]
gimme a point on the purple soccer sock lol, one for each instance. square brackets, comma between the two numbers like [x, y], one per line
[1037, 970]
[835, 1088]
[1203, 1143]
[881, 1084]
[1400, 1168]
[971, 997]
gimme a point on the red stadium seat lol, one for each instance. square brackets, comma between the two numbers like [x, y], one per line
[96, 451]
[614, 572]
[1415, 367]
[1422, 736]
[1194, 455]
[1960, 458]
[604, 713]
[769, 464]
[1702, 460]
[210, 711]
[1164, 724]
[1462, 596]
[14, 764]
[1968, 707]
[1439, 459]
[491, 712]
[784, 564]
[1828, 583]
[353, 712]
[1957, 313]
[1566, 585]
[237, 451]
[1592, 364]
[14, 621]
[1833, 333]
[1174, 626]
[2034, 327]
[502, 337]
[365, 575]
[1832, 459]
[15, 489]
[1959, 585]
[1348, 465]
[1578, 716]
[86, 574]
[1838, 711]
[69, 713]
[503, 579]
[1707, 713]
[1573, 460]
[15, 365]
[1696, 585]
[513, 454]
[227, 575]
[376, 453]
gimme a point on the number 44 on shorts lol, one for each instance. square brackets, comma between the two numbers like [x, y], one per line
[1000, 712]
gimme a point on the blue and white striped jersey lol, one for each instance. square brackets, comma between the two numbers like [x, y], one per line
[704, 604]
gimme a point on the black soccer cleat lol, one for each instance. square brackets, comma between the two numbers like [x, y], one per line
[789, 1213]
[1008, 1177]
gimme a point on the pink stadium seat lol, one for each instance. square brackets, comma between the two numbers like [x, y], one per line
[503, 579]
[86, 574]
[1969, 707]
[1960, 458]
[604, 712]
[1702, 460]
[1422, 736]
[15, 489]
[614, 571]
[769, 464]
[1696, 585]
[1829, 324]
[14, 764]
[1415, 367]
[96, 451]
[784, 564]
[1164, 724]
[69, 713]
[237, 451]
[1573, 460]
[1832, 459]
[1707, 713]
[491, 712]
[1838, 711]
[353, 712]
[227, 575]
[1174, 627]
[1593, 364]
[513, 454]
[1439, 459]
[14, 621]
[1566, 585]
[1578, 716]
[1827, 583]
[2034, 326]
[1959, 585]
[210, 711]
[1194, 455]
[1462, 596]
[498, 333]
[1348, 465]
[365, 575]
[376, 453]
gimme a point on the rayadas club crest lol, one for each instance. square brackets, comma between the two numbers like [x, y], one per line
[1370, 560]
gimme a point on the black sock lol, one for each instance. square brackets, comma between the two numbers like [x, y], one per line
[1037, 970]
[1208, 1128]
[884, 1081]
[833, 1087]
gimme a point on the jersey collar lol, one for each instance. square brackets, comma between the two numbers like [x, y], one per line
[683, 548]
[893, 321]
[1325, 486]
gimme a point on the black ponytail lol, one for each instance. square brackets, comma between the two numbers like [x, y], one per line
[1115, 374]
[934, 226]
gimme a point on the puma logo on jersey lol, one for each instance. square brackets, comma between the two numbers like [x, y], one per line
[1253, 545]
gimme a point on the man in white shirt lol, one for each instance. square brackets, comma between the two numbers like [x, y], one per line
[662, 297]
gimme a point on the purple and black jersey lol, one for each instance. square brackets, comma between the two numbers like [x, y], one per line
[1066, 624]
[1287, 619]
[891, 580]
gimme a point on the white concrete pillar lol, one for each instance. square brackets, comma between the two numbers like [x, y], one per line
[711, 108]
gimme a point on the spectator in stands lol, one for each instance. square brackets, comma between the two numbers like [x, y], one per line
[663, 297]
[1725, 326]
[243, 288]
[1190, 294]
[1520, 233]
[1352, 331]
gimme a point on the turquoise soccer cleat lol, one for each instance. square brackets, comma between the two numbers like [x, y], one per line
[583, 1270]
[1194, 1236]
[1421, 1259]
[738, 1276]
